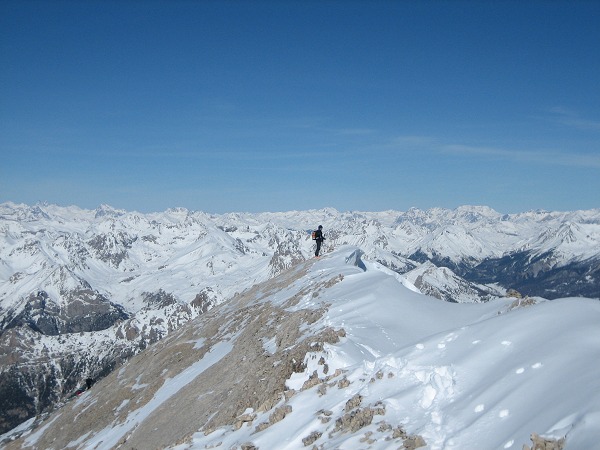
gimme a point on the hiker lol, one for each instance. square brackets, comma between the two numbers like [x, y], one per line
[319, 238]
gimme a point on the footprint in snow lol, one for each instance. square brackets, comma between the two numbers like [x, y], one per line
[521, 370]
[448, 338]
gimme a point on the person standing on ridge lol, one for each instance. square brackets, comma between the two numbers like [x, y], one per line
[319, 238]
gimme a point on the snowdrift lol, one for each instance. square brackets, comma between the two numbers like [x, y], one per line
[338, 353]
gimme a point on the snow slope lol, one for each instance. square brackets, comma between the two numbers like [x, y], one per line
[460, 376]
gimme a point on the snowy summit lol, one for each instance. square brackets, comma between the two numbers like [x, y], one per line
[342, 353]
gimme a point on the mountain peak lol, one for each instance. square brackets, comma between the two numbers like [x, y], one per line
[108, 211]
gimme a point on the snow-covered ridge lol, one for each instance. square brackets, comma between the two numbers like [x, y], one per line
[338, 353]
[82, 290]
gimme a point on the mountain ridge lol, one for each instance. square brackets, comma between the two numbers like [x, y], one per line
[338, 353]
[126, 279]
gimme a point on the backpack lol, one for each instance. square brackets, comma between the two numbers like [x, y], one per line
[314, 235]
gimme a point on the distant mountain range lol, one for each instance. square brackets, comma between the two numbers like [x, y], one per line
[81, 291]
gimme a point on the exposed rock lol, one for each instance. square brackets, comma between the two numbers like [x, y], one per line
[343, 383]
[522, 303]
[413, 442]
[276, 416]
[367, 438]
[112, 248]
[311, 438]
[85, 311]
[244, 419]
[354, 402]
[354, 420]
[204, 300]
[513, 293]
[541, 443]
[399, 433]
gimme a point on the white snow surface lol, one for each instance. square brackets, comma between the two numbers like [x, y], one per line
[463, 376]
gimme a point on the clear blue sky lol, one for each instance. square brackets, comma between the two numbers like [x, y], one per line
[292, 105]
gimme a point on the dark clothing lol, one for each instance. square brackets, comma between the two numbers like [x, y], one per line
[319, 238]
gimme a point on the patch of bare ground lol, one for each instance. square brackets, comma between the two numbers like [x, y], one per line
[522, 303]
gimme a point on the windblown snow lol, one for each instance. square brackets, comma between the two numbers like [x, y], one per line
[343, 353]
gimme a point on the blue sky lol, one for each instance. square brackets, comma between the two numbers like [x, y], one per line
[292, 105]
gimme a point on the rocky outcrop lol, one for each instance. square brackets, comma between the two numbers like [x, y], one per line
[84, 311]
[541, 443]
[112, 248]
